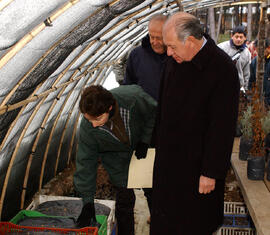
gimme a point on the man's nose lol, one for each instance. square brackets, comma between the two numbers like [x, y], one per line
[94, 124]
[154, 41]
[169, 51]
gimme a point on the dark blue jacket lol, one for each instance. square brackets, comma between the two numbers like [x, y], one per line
[266, 79]
[144, 68]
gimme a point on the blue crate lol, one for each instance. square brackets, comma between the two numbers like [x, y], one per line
[233, 218]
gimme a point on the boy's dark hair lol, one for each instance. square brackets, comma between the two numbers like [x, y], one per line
[239, 29]
[96, 100]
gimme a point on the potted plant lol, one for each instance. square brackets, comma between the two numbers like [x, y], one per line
[256, 160]
[246, 138]
[266, 130]
[243, 104]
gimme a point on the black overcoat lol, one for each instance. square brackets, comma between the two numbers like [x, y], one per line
[195, 131]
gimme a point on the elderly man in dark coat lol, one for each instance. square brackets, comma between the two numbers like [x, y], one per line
[195, 131]
[146, 62]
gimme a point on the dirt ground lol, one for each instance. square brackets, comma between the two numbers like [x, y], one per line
[141, 213]
[232, 190]
[62, 185]
[232, 194]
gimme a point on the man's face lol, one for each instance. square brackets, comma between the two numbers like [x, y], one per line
[155, 34]
[238, 39]
[97, 121]
[267, 51]
[175, 48]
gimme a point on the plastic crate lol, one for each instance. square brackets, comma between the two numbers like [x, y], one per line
[234, 211]
[236, 231]
[235, 208]
[102, 219]
[110, 203]
[238, 221]
[7, 227]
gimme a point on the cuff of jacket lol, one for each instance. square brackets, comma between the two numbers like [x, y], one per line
[86, 200]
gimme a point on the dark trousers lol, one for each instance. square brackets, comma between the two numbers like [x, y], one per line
[125, 201]
[124, 209]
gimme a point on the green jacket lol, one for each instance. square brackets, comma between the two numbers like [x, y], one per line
[94, 143]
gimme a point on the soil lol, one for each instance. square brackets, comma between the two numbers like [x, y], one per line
[62, 185]
[232, 190]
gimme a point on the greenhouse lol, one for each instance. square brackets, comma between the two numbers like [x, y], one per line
[52, 50]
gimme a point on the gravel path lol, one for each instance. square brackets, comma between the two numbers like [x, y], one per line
[141, 212]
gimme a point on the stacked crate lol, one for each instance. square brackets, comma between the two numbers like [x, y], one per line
[236, 220]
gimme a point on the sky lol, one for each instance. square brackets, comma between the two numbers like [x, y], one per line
[110, 82]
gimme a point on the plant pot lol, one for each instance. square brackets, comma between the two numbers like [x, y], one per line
[267, 146]
[255, 168]
[268, 171]
[244, 148]
[238, 131]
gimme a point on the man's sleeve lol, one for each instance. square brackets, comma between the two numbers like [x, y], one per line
[86, 168]
[221, 46]
[246, 70]
[252, 78]
[222, 112]
[148, 108]
[267, 82]
[130, 77]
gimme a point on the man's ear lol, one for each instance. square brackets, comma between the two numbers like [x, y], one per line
[191, 38]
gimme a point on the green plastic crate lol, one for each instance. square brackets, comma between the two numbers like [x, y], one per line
[102, 219]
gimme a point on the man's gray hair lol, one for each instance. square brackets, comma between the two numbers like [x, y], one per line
[188, 26]
[158, 17]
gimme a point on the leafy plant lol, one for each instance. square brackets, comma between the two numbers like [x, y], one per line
[258, 112]
[255, 125]
[266, 123]
[246, 123]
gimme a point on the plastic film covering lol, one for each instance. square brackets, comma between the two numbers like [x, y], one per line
[50, 51]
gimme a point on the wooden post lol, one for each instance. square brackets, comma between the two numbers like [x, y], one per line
[219, 22]
[261, 48]
[249, 22]
[211, 19]
[179, 4]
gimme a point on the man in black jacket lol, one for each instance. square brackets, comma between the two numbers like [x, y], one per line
[145, 63]
[196, 120]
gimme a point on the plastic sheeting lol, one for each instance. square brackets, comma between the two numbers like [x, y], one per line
[49, 51]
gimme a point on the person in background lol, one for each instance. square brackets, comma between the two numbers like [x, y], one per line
[238, 51]
[252, 47]
[196, 120]
[266, 79]
[146, 62]
[115, 123]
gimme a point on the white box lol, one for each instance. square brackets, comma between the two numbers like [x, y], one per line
[110, 203]
[235, 231]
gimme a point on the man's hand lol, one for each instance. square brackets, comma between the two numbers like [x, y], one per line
[206, 185]
[141, 150]
[87, 216]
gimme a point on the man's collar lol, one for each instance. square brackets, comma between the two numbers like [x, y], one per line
[204, 42]
[241, 48]
[202, 57]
